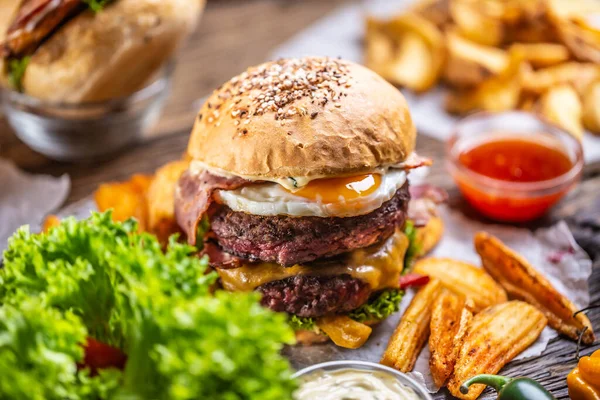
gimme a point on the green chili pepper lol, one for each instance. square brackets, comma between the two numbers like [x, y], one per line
[510, 388]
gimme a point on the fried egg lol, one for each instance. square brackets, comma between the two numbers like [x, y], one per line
[329, 197]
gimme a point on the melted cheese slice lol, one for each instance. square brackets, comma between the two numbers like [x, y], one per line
[379, 265]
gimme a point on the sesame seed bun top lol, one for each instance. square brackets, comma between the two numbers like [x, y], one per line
[307, 117]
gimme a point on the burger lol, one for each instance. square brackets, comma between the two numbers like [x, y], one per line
[297, 188]
[89, 50]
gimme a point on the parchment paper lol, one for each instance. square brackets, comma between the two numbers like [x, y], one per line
[26, 199]
[340, 34]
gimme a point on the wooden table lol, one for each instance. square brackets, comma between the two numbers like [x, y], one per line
[236, 34]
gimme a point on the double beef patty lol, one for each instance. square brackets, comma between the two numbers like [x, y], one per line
[288, 240]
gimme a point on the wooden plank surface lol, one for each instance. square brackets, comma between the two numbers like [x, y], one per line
[236, 34]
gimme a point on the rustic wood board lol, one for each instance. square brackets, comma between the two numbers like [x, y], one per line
[234, 34]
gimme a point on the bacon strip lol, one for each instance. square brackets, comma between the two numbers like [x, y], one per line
[218, 258]
[194, 194]
[423, 203]
[414, 161]
[34, 21]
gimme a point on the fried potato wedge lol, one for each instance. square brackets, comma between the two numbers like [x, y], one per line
[523, 282]
[561, 105]
[479, 21]
[436, 11]
[430, 235]
[161, 199]
[344, 331]
[126, 199]
[463, 279]
[407, 50]
[578, 75]
[498, 93]
[380, 48]
[591, 108]
[469, 63]
[411, 333]
[582, 39]
[450, 318]
[496, 335]
[542, 55]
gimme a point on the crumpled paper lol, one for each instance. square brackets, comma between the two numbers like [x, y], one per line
[27, 199]
[568, 273]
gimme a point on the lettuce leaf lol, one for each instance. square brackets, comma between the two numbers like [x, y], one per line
[301, 323]
[379, 307]
[39, 351]
[96, 5]
[414, 248]
[182, 341]
[221, 347]
[16, 72]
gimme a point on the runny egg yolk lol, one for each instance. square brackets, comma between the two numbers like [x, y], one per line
[330, 190]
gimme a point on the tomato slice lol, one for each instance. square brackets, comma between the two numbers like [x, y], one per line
[413, 280]
[100, 356]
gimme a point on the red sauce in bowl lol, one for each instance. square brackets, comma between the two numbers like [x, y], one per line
[504, 162]
[516, 160]
[513, 166]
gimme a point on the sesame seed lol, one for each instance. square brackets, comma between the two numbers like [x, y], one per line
[276, 86]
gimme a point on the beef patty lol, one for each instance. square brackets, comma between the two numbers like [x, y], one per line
[290, 240]
[315, 296]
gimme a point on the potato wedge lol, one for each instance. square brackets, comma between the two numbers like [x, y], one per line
[496, 335]
[161, 199]
[470, 63]
[411, 333]
[582, 39]
[429, 235]
[436, 11]
[418, 51]
[498, 93]
[543, 54]
[449, 323]
[463, 279]
[578, 75]
[523, 282]
[380, 48]
[591, 108]
[344, 331]
[479, 21]
[562, 105]
[126, 199]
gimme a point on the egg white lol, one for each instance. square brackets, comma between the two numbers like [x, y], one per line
[272, 199]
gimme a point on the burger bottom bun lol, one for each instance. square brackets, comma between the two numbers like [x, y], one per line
[112, 53]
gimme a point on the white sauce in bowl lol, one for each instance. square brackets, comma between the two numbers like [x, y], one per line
[353, 384]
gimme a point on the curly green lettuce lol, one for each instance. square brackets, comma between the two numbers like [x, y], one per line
[39, 351]
[379, 307]
[182, 342]
[16, 71]
[96, 5]
[301, 323]
[414, 248]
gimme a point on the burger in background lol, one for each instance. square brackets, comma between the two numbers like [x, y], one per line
[81, 51]
[298, 189]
